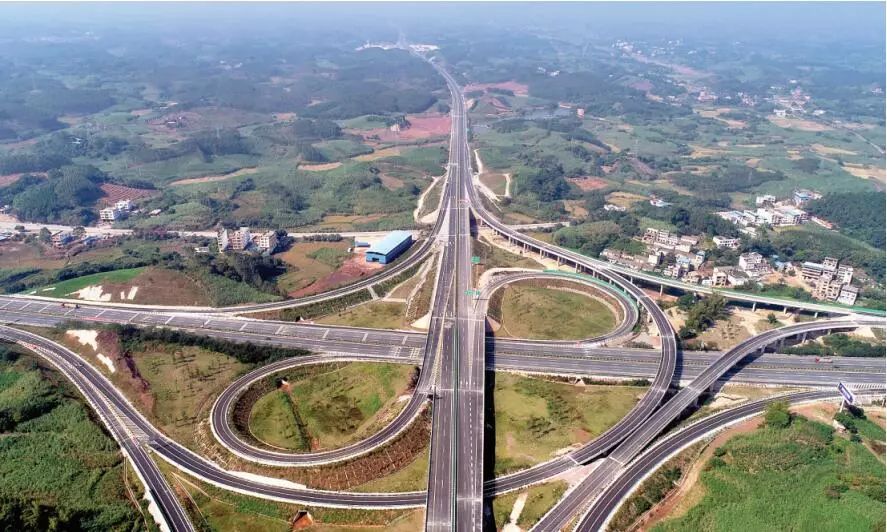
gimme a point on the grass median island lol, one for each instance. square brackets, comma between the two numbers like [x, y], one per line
[533, 418]
[539, 499]
[58, 467]
[802, 476]
[540, 313]
[330, 407]
[375, 315]
[212, 508]
[413, 477]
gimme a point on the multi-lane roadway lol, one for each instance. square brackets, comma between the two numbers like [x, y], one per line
[452, 356]
[609, 468]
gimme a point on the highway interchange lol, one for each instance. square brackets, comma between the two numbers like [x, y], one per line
[453, 356]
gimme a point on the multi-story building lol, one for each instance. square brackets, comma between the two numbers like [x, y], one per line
[108, 214]
[60, 239]
[827, 287]
[719, 277]
[848, 295]
[267, 241]
[766, 199]
[237, 240]
[115, 212]
[801, 196]
[844, 274]
[726, 242]
[753, 264]
[240, 239]
[811, 271]
[659, 237]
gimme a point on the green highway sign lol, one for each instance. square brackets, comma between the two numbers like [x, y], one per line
[475, 260]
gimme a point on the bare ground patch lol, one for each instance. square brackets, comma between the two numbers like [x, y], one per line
[213, 178]
[586, 183]
[519, 89]
[798, 123]
[319, 167]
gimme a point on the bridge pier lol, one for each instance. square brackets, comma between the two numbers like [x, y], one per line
[754, 306]
[661, 289]
[785, 310]
[815, 314]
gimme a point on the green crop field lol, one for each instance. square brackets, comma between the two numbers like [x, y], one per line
[803, 477]
[336, 406]
[533, 418]
[57, 465]
[67, 288]
[549, 314]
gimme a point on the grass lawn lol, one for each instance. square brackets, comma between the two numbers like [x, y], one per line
[413, 477]
[376, 315]
[550, 314]
[66, 288]
[535, 417]
[803, 477]
[212, 508]
[183, 381]
[272, 417]
[496, 182]
[337, 406]
[540, 499]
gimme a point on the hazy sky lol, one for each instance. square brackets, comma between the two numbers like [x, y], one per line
[792, 21]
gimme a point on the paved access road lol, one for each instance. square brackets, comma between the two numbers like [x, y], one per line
[609, 468]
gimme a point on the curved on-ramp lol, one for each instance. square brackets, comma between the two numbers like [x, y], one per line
[607, 470]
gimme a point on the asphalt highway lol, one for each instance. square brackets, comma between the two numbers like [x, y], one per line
[557, 358]
[608, 469]
[455, 498]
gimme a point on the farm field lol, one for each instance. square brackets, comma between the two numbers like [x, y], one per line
[534, 419]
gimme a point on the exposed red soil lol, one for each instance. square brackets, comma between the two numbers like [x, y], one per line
[667, 506]
[8, 179]
[131, 378]
[353, 269]
[519, 89]
[115, 193]
[588, 183]
[421, 127]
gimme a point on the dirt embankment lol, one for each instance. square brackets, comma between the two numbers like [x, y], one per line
[128, 375]
[353, 269]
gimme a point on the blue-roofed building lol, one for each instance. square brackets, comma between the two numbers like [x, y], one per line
[390, 247]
